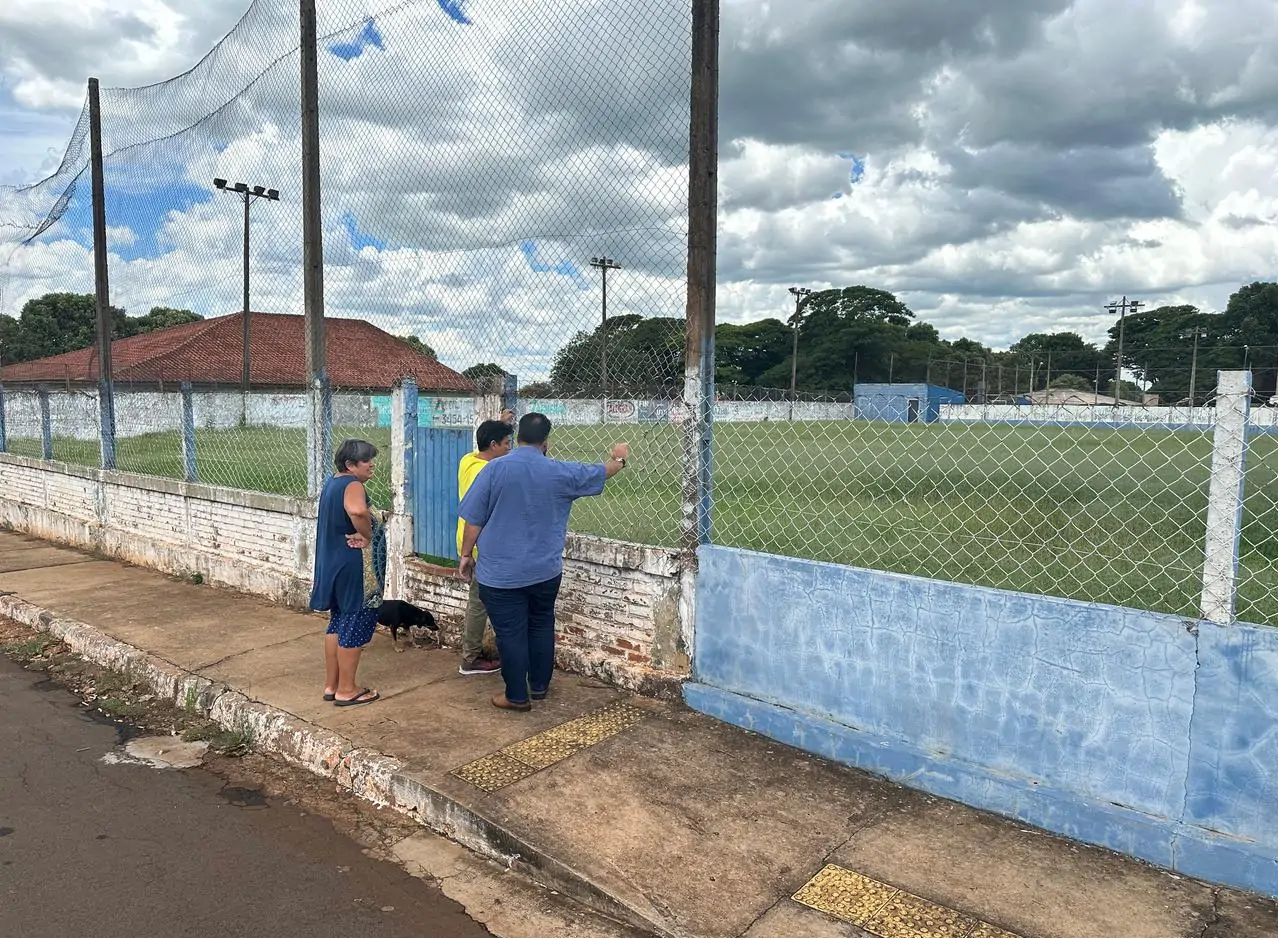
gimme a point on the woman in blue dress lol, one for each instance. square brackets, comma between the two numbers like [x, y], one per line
[348, 581]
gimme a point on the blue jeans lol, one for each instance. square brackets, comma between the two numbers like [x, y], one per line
[524, 622]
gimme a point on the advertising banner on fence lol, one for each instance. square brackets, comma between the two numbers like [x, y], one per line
[620, 412]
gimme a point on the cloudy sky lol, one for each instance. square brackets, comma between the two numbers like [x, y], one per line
[1004, 166]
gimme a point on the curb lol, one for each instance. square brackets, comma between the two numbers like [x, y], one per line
[371, 775]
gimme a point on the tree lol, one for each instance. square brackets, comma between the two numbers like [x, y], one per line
[1067, 351]
[484, 370]
[743, 353]
[487, 375]
[1129, 391]
[1158, 346]
[853, 334]
[160, 317]
[8, 336]
[645, 356]
[57, 323]
[1251, 319]
[1073, 382]
[537, 389]
[418, 345]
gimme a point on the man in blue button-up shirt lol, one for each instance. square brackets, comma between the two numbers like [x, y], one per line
[516, 512]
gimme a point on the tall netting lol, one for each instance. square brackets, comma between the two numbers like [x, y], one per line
[484, 169]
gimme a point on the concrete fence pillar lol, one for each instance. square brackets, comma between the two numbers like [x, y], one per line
[400, 530]
[189, 469]
[319, 436]
[106, 424]
[1225, 496]
[46, 424]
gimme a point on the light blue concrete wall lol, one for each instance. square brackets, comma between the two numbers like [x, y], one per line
[1146, 733]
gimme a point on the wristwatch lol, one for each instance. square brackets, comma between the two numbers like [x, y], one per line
[622, 460]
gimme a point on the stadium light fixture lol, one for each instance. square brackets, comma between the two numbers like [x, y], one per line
[1121, 308]
[246, 194]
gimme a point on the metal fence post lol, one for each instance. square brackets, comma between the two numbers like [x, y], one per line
[4, 436]
[1225, 496]
[46, 424]
[188, 434]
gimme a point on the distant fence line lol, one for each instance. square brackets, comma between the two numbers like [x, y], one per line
[1099, 414]
[74, 414]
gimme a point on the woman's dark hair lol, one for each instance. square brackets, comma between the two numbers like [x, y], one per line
[356, 451]
[534, 429]
[490, 432]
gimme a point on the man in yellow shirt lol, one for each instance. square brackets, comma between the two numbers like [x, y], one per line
[492, 439]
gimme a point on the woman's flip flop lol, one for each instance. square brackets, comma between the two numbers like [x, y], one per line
[361, 698]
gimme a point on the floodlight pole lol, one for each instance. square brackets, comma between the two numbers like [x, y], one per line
[247, 194]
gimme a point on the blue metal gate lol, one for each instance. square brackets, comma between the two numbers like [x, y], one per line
[436, 453]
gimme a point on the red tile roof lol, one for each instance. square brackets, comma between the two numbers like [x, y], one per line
[210, 352]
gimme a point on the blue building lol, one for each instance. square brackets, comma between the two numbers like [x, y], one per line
[903, 403]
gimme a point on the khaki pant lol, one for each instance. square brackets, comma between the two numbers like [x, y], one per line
[474, 628]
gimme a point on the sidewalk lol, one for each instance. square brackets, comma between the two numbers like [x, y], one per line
[645, 810]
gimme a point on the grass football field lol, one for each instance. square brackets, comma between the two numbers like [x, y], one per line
[1098, 514]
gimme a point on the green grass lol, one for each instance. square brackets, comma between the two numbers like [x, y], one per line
[1105, 515]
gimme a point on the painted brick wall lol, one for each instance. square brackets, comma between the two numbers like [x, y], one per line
[617, 615]
[1146, 733]
[248, 541]
[619, 609]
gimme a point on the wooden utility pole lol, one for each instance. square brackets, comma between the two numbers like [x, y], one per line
[319, 426]
[101, 284]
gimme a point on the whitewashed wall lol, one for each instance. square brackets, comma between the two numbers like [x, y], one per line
[1096, 413]
[567, 412]
[74, 414]
[250, 541]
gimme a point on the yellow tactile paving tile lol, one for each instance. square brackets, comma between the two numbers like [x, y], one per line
[885, 911]
[846, 895]
[493, 772]
[519, 760]
[908, 916]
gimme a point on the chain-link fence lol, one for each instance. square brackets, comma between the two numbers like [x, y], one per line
[1257, 577]
[1042, 504]
[505, 194]
[504, 190]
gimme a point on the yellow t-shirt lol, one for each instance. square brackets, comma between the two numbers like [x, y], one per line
[467, 470]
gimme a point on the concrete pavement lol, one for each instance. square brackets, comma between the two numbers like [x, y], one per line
[647, 811]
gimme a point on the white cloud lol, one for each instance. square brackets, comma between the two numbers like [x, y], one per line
[1024, 161]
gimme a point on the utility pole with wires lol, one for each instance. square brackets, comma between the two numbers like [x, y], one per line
[1121, 308]
[801, 295]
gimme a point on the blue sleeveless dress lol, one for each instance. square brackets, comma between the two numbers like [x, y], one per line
[348, 582]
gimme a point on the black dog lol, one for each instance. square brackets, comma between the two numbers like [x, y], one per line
[396, 614]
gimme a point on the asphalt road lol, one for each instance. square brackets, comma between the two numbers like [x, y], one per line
[90, 848]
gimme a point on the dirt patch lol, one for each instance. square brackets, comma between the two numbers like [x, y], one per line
[112, 697]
